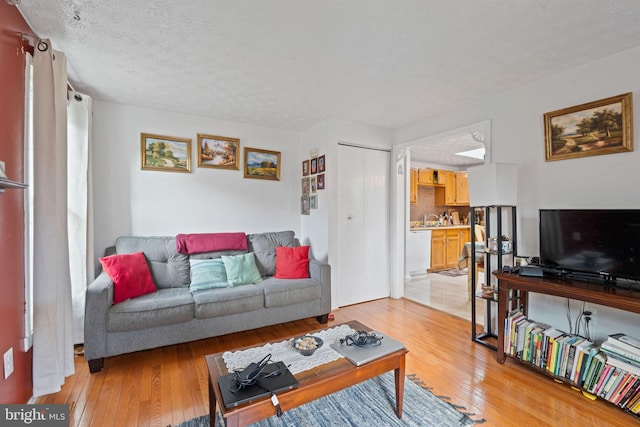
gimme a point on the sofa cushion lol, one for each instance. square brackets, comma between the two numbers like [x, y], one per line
[164, 307]
[168, 268]
[282, 292]
[130, 274]
[220, 302]
[264, 245]
[241, 269]
[292, 263]
[207, 274]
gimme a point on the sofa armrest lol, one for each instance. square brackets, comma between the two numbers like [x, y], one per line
[322, 272]
[99, 298]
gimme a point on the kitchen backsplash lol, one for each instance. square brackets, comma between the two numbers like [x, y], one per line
[426, 204]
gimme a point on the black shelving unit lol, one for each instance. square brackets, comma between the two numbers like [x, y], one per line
[492, 215]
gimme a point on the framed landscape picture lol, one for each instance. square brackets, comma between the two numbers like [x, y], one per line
[165, 153]
[591, 129]
[218, 152]
[261, 164]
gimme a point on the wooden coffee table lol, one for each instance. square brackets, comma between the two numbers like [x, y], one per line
[313, 384]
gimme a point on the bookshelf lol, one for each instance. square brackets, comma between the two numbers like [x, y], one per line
[513, 293]
[498, 221]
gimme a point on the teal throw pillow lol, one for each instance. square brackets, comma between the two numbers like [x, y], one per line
[207, 274]
[241, 269]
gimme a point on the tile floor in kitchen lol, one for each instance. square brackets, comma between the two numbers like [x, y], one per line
[443, 293]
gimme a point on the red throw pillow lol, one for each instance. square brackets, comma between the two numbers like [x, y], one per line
[292, 263]
[130, 274]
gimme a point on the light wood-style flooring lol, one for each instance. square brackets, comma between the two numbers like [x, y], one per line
[448, 294]
[168, 385]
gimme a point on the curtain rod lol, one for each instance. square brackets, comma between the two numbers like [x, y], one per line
[34, 41]
[349, 144]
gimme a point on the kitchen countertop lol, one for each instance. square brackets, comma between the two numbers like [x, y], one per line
[438, 227]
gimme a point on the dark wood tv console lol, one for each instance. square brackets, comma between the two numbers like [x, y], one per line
[513, 291]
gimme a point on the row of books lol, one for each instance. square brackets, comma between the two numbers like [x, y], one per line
[610, 371]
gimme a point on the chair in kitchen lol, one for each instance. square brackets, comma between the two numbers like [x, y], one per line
[479, 267]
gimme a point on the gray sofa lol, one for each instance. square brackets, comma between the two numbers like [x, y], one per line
[173, 314]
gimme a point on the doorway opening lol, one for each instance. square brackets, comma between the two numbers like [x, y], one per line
[441, 286]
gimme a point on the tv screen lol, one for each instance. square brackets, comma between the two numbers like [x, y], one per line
[604, 242]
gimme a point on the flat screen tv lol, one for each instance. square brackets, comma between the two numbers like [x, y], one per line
[602, 243]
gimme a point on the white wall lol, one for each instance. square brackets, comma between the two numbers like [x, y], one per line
[320, 228]
[131, 201]
[517, 136]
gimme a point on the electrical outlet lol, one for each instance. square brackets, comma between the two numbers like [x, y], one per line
[8, 363]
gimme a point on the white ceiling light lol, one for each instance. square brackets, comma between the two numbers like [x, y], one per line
[478, 153]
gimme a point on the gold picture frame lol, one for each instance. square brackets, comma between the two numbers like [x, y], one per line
[219, 152]
[261, 164]
[591, 129]
[165, 153]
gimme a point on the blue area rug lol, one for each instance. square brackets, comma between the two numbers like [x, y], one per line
[371, 403]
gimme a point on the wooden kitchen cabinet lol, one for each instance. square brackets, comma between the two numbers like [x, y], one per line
[413, 192]
[446, 246]
[455, 191]
[425, 176]
[462, 188]
[438, 250]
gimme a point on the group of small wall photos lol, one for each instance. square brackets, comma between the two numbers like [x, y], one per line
[312, 181]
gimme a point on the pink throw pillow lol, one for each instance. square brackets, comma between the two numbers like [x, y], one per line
[130, 274]
[292, 263]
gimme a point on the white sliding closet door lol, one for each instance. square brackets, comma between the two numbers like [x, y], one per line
[363, 225]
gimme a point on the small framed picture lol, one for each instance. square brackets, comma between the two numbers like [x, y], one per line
[321, 164]
[305, 205]
[305, 186]
[305, 168]
[314, 165]
[313, 184]
[218, 152]
[165, 153]
[320, 182]
[314, 201]
[261, 164]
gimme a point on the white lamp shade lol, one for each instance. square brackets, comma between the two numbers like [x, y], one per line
[493, 184]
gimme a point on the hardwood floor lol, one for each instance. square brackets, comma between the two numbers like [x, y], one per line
[168, 385]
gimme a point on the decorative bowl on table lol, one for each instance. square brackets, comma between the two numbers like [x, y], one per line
[306, 344]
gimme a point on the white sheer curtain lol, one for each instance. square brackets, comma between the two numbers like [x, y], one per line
[52, 332]
[80, 205]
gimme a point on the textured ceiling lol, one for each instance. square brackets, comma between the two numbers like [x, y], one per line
[292, 63]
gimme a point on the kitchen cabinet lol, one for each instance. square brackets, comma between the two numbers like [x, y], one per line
[425, 176]
[446, 246]
[438, 250]
[462, 188]
[413, 187]
[455, 191]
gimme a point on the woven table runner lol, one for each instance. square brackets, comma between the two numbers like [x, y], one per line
[284, 351]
